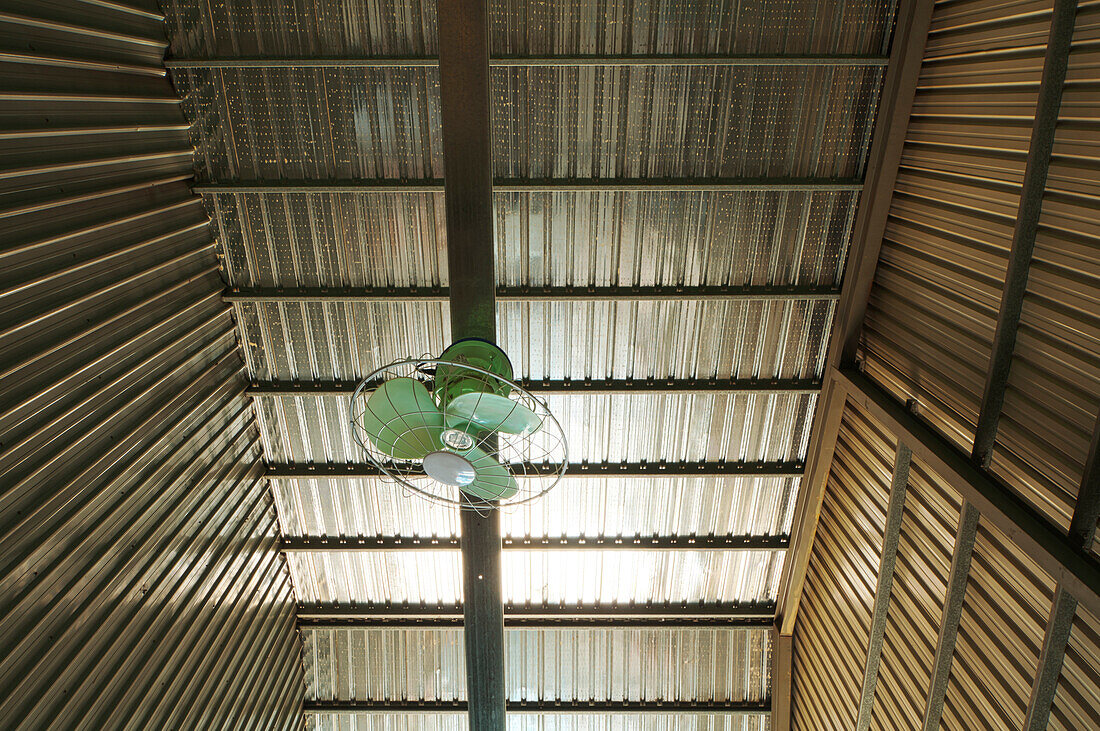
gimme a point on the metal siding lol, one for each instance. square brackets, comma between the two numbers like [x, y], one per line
[577, 507]
[554, 664]
[1053, 394]
[834, 621]
[1008, 599]
[1077, 701]
[140, 575]
[923, 563]
[933, 308]
[556, 722]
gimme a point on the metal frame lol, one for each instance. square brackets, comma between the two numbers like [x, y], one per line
[550, 185]
[594, 387]
[746, 293]
[603, 543]
[544, 622]
[377, 62]
[891, 536]
[541, 708]
[579, 469]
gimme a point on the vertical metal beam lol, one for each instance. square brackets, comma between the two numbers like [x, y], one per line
[891, 536]
[952, 613]
[1082, 532]
[1027, 225]
[782, 665]
[468, 200]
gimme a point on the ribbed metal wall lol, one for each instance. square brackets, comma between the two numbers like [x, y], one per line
[834, 621]
[929, 327]
[1077, 701]
[140, 582]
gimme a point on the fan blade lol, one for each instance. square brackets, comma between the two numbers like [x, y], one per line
[491, 412]
[402, 419]
[493, 481]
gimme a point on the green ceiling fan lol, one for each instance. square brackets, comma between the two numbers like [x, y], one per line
[458, 430]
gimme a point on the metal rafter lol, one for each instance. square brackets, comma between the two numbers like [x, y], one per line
[380, 62]
[603, 543]
[746, 293]
[593, 387]
[544, 622]
[576, 469]
[1034, 186]
[541, 708]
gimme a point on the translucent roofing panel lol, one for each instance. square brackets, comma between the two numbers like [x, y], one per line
[547, 722]
[706, 664]
[632, 427]
[677, 238]
[541, 577]
[543, 239]
[332, 240]
[549, 122]
[319, 123]
[704, 339]
[681, 121]
[576, 507]
[518, 27]
[338, 340]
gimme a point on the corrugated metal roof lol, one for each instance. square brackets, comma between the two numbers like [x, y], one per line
[350, 721]
[1077, 701]
[541, 577]
[545, 664]
[577, 507]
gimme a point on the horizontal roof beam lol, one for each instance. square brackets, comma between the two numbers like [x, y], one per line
[647, 543]
[541, 708]
[551, 185]
[744, 293]
[269, 62]
[594, 386]
[514, 622]
[681, 612]
[579, 469]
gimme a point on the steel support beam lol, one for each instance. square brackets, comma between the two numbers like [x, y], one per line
[575, 469]
[522, 622]
[747, 293]
[914, 18]
[891, 536]
[1067, 563]
[1027, 225]
[541, 708]
[952, 613]
[603, 543]
[678, 612]
[590, 387]
[1082, 533]
[468, 205]
[360, 62]
[550, 185]
[782, 667]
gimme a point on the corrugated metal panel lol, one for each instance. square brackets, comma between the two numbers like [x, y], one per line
[518, 27]
[1053, 394]
[933, 308]
[599, 428]
[576, 507]
[925, 548]
[551, 664]
[140, 578]
[834, 620]
[1001, 631]
[542, 577]
[1077, 702]
[592, 122]
[556, 722]
[543, 239]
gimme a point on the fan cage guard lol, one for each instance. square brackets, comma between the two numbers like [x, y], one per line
[528, 457]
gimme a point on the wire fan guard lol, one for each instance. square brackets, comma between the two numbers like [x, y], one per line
[536, 460]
